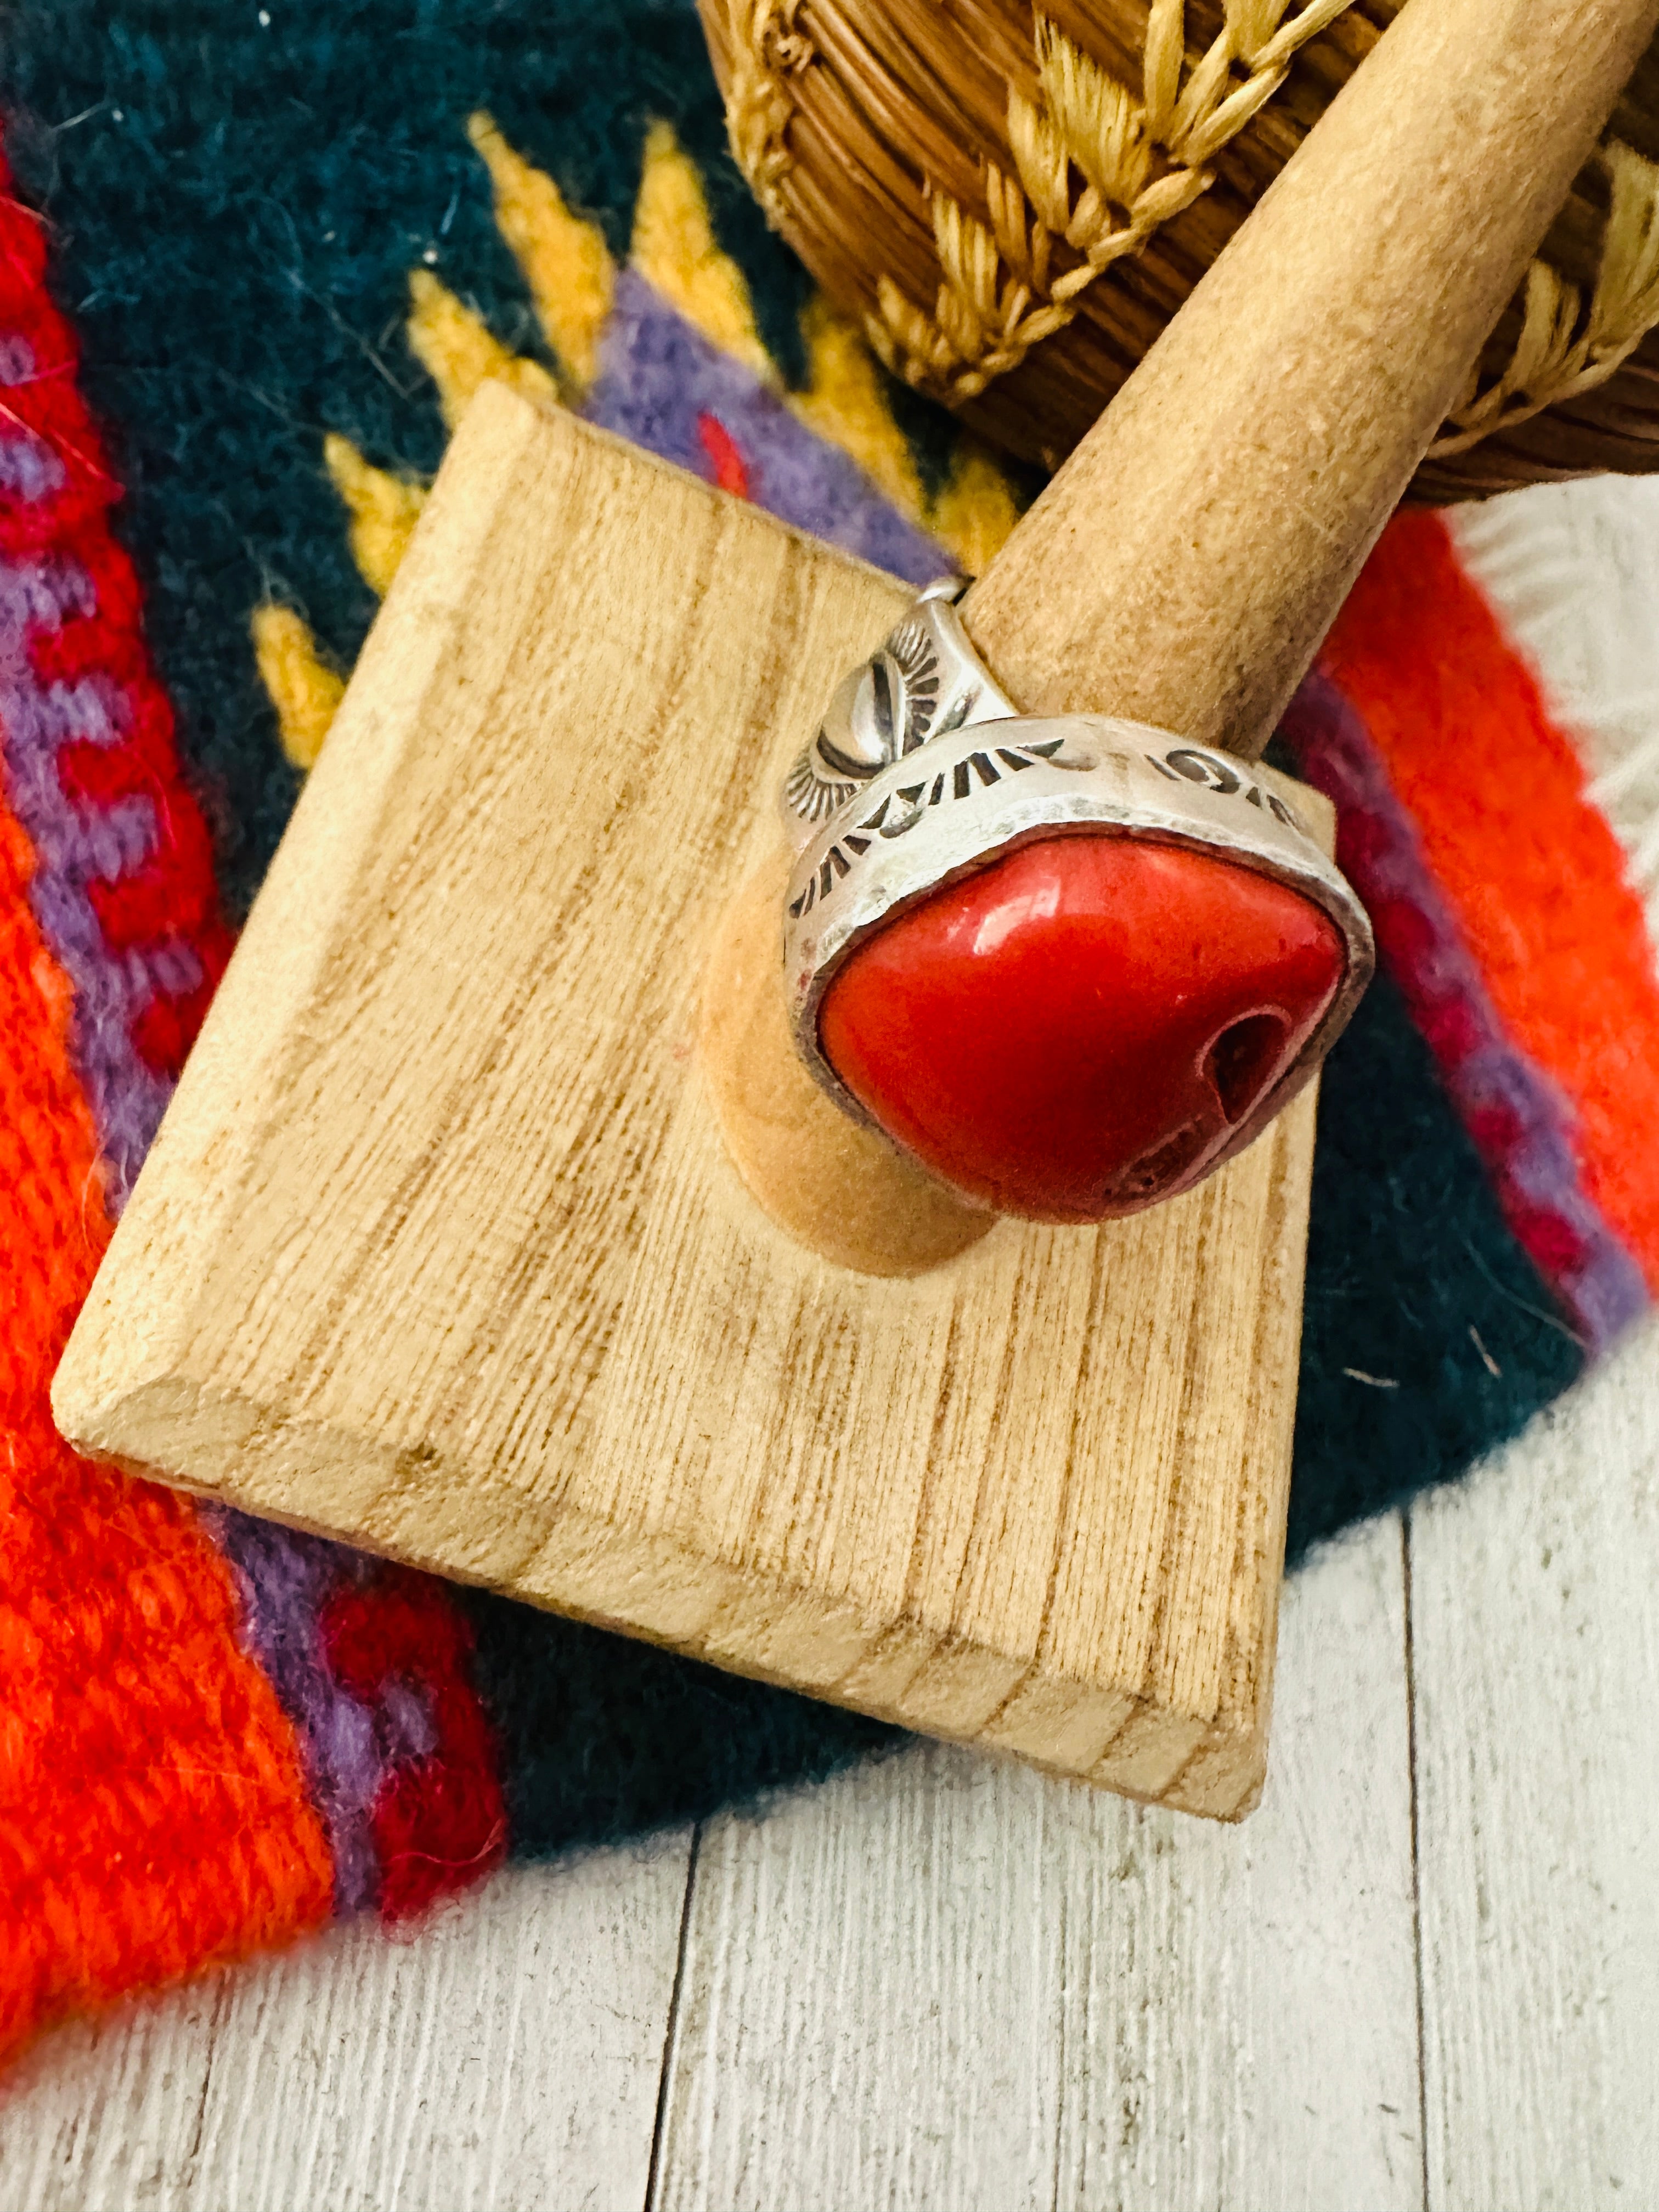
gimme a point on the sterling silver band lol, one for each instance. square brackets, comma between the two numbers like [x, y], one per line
[923, 773]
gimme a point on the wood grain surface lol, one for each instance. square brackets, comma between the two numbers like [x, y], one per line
[1537, 1642]
[439, 1249]
[506, 2055]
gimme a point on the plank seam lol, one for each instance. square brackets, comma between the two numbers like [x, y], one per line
[671, 2033]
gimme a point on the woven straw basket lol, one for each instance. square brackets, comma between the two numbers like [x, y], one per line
[1014, 203]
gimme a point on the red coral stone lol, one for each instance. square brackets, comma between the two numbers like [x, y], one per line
[1076, 1031]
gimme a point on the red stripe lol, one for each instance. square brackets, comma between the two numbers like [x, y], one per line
[153, 1817]
[725, 456]
[440, 1820]
[173, 897]
[1529, 866]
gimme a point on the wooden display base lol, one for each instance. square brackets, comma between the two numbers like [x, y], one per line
[439, 1249]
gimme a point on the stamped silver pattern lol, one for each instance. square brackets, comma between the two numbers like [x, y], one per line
[923, 683]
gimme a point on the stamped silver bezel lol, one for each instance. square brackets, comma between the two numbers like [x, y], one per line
[963, 800]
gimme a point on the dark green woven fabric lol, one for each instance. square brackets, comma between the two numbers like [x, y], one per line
[1411, 1270]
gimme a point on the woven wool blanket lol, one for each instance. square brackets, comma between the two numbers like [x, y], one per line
[253, 262]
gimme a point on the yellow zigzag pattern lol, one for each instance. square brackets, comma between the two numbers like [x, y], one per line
[459, 353]
[674, 250]
[304, 690]
[384, 511]
[571, 279]
[564, 257]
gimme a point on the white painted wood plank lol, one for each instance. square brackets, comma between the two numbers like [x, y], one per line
[505, 2057]
[948, 1983]
[1537, 1642]
[102, 2116]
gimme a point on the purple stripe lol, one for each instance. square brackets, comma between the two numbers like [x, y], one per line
[30, 470]
[286, 1581]
[658, 375]
[17, 359]
[75, 846]
[1520, 1123]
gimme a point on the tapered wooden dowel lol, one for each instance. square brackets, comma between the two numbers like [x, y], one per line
[1183, 566]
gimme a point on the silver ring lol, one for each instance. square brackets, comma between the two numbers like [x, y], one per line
[922, 774]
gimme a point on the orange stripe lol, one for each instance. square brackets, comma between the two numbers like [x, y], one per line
[1530, 865]
[153, 1813]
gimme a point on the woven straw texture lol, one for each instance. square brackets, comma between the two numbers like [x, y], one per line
[1013, 200]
